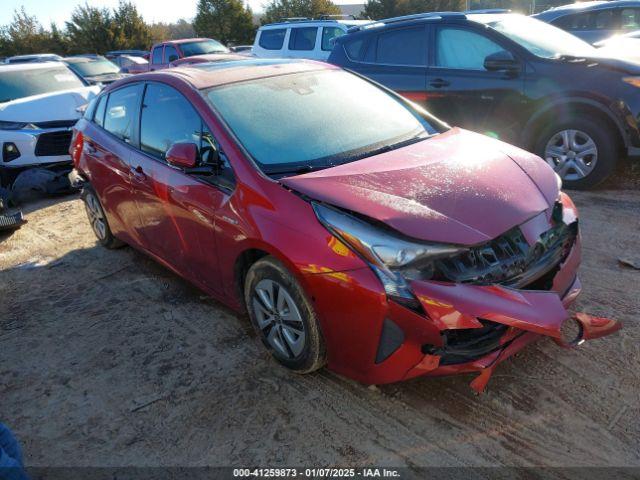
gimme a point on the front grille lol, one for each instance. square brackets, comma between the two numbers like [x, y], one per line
[509, 260]
[53, 143]
[11, 220]
[467, 344]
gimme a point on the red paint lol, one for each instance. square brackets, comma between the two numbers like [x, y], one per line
[458, 187]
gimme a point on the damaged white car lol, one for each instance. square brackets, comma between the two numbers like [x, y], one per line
[39, 103]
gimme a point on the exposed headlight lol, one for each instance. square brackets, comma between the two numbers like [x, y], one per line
[12, 125]
[392, 258]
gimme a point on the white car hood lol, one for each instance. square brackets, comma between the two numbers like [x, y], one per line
[62, 105]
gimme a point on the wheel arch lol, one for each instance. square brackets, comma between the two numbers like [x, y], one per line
[564, 109]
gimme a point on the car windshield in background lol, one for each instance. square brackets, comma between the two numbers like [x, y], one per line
[292, 123]
[540, 38]
[94, 68]
[16, 84]
[203, 47]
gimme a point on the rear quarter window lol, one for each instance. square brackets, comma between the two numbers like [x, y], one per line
[272, 39]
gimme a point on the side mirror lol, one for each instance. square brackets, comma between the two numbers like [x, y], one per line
[182, 155]
[501, 61]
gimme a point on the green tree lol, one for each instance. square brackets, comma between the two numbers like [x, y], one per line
[228, 21]
[279, 9]
[24, 35]
[129, 29]
[91, 30]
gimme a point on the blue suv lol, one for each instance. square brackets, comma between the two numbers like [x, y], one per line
[511, 77]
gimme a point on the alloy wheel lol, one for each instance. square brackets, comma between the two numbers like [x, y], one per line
[279, 318]
[572, 154]
[96, 217]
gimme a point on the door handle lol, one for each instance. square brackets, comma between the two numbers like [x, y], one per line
[439, 83]
[90, 148]
[138, 174]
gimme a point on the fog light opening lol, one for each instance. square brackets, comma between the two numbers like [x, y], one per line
[571, 332]
[10, 151]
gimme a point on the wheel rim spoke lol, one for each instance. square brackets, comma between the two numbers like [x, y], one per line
[279, 318]
[572, 154]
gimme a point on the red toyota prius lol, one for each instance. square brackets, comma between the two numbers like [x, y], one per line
[356, 230]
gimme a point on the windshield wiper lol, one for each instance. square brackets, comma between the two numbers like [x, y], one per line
[299, 170]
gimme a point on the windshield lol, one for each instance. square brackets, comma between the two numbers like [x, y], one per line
[94, 68]
[16, 84]
[540, 38]
[202, 47]
[315, 119]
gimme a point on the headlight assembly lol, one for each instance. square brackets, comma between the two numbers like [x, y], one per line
[392, 258]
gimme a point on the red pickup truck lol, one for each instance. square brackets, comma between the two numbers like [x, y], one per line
[176, 52]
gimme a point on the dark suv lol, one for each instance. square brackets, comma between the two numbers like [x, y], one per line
[511, 77]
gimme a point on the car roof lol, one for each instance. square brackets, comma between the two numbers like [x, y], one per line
[30, 66]
[207, 75]
[183, 40]
[83, 59]
[33, 55]
[586, 6]
[314, 23]
[431, 17]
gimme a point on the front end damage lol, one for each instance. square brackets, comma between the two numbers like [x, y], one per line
[474, 311]
[507, 293]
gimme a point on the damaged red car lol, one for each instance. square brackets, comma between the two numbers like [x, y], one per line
[356, 230]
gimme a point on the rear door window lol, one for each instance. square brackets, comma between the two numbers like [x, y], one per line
[156, 56]
[303, 38]
[329, 34]
[272, 39]
[122, 111]
[405, 46]
[98, 116]
[354, 49]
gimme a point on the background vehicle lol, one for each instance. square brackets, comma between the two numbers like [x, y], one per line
[211, 58]
[94, 70]
[241, 48]
[594, 21]
[506, 75]
[162, 54]
[300, 38]
[125, 62]
[37, 57]
[39, 104]
[131, 53]
[344, 246]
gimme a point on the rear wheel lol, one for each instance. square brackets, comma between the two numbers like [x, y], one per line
[582, 152]
[98, 219]
[283, 316]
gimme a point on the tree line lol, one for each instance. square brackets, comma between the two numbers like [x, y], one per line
[97, 29]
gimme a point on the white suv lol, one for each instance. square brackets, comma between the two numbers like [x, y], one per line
[301, 38]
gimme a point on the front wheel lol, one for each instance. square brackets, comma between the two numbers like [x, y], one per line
[283, 317]
[582, 152]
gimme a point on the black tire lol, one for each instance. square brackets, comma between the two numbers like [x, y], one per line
[312, 355]
[606, 142]
[91, 204]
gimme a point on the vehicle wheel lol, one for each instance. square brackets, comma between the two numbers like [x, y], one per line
[283, 316]
[581, 151]
[98, 219]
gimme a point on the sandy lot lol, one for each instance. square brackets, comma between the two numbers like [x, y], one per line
[107, 359]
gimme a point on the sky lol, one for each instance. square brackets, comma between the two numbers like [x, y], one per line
[58, 11]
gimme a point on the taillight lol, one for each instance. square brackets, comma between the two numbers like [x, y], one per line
[76, 147]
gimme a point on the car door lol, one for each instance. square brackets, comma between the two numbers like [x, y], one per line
[462, 92]
[107, 149]
[176, 209]
[397, 58]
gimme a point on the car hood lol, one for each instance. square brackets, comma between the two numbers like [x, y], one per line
[458, 187]
[61, 105]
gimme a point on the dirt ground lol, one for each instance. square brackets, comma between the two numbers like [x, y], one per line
[107, 359]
